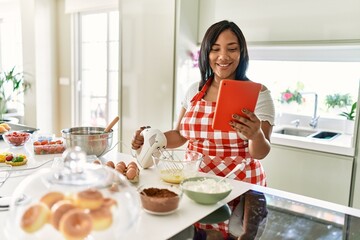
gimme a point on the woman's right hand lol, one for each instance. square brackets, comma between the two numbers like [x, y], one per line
[138, 139]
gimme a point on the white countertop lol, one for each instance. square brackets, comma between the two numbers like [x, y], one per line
[188, 212]
[162, 227]
[342, 144]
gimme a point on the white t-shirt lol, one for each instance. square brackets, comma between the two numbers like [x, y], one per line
[264, 110]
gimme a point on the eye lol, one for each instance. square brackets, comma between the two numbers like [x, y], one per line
[215, 49]
[232, 49]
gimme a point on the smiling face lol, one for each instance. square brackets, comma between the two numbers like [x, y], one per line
[224, 56]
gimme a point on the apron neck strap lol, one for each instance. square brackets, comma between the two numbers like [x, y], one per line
[202, 92]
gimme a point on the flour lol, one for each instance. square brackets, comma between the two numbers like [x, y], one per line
[207, 185]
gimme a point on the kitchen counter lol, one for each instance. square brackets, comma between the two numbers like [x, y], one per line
[163, 227]
[188, 212]
[342, 144]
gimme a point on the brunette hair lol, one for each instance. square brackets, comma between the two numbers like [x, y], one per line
[209, 39]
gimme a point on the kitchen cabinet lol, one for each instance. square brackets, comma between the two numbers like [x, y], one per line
[311, 173]
[356, 187]
[286, 21]
[355, 201]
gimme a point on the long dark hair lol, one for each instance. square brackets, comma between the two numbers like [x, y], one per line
[209, 39]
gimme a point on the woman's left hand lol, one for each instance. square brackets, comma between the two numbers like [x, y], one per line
[248, 127]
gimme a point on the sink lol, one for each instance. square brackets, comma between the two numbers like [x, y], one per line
[296, 131]
[325, 135]
[309, 133]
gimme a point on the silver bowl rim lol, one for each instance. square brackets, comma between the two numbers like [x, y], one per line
[98, 131]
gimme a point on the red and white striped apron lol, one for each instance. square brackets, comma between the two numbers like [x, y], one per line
[222, 150]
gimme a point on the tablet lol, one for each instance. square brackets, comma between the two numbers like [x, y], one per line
[234, 95]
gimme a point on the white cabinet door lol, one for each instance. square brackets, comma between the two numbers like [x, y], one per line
[286, 20]
[356, 187]
[310, 173]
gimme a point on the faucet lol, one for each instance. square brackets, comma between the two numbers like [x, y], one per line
[315, 118]
[296, 122]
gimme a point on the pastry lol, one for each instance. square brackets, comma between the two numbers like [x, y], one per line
[58, 210]
[51, 198]
[75, 224]
[35, 217]
[89, 199]
[101, 218]
[16, 159]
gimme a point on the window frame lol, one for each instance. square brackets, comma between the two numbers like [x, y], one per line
[77, 103]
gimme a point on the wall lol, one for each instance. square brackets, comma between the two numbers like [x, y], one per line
[40, 63]
[64, 67]
[286, 20]
[187, 14]
[147, 65]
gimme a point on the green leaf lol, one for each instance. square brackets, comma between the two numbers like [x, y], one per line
[350, 115]
[18, 159]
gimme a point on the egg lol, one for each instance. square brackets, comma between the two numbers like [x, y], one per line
[120, 168]
[97, 161]
[122, 164]
[132, 164]
[110, 164]
[133, 167]
[131, 173]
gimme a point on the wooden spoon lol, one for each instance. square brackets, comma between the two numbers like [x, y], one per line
[113, 122]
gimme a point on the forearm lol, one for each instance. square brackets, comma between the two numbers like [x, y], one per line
[259, 143]
[259, 146]
[174, 139]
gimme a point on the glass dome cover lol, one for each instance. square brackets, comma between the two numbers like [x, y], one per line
[79, 200]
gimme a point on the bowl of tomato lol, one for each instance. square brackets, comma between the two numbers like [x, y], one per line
[16, 138]
[48, 145]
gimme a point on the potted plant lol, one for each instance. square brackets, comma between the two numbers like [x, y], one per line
[12, 84]
[289, 96]
[337, 100]
[293, 95]
[351, 114]
[350, 117]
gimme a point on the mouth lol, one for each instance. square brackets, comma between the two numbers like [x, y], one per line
[222, 65]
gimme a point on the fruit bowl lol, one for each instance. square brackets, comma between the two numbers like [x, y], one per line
[175, 165]
[206, 190]
[16, 138]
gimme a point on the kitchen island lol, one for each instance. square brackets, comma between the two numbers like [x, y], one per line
[155, 227]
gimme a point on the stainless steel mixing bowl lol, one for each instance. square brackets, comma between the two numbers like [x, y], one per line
[92, 140]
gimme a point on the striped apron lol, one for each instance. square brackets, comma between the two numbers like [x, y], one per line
[222, 150]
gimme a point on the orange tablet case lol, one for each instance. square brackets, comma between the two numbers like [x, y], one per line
[234, 95]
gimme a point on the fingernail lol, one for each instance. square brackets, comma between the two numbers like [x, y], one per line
[244, 110]
[235, 116]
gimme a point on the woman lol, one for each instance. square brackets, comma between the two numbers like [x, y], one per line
[223, 55]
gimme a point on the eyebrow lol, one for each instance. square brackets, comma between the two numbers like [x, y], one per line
[232, 43]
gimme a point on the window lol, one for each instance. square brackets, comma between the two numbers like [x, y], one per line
[96, 102]
[321, 70]
[324, 70]
[11, 53]
[322, 78]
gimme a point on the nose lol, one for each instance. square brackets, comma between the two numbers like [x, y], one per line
[223, 55]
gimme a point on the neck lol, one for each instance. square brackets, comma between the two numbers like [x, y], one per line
[215, 83]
